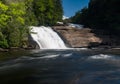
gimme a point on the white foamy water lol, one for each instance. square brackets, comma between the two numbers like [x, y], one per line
[46, 38]
[35, 58]
[50, 56]
[67, 55]
[101, 56]
[43, 57]
[75, 25]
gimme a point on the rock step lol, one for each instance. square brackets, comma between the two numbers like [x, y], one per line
[78, 37]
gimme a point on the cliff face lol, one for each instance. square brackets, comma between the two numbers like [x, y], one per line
[78, 37]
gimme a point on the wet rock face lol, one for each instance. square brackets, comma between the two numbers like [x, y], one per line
[32, 44]
[78, 37]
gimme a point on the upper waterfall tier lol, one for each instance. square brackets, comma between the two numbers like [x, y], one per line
[46, 38]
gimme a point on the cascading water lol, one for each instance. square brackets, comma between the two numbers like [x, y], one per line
[46, 38]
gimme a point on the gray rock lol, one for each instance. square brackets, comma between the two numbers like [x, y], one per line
[32, 44]
[78, 37]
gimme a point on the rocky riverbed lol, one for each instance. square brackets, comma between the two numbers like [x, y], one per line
[85, 37]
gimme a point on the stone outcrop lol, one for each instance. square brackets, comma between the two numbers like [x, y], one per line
[78, 37]
[32, 44]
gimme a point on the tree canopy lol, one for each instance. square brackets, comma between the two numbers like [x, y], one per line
[17, 15]
[101, 14]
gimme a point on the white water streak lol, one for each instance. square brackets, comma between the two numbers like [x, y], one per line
[47, 38]
[101, 56]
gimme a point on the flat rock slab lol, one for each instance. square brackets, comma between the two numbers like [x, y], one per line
[78, 37]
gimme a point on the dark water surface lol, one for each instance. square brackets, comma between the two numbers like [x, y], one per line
[73, 66]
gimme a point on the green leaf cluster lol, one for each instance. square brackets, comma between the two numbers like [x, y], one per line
[12, 23]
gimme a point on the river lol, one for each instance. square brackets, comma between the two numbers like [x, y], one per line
[71, 66]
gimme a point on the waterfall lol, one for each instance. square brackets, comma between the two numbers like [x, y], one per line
[46, 38]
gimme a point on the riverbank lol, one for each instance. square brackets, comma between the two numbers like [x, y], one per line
[15, 49]
[77, 38]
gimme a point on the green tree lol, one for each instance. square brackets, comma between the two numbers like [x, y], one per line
[17, 15]
[12, 23]
[101, 14]
[48, 12]
[30, 18]
[3, 22]
[17, 11]
[58, 10]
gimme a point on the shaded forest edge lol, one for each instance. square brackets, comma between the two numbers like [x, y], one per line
[103, 18]
[16, 16]
[100, 15]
